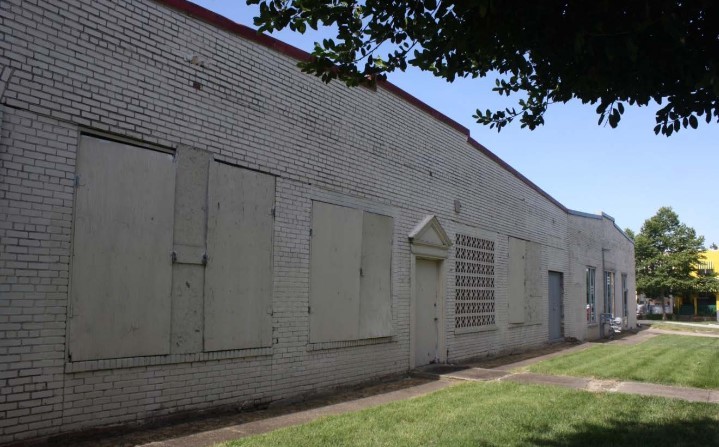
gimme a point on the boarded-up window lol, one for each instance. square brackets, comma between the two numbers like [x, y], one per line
[591, 297]
[536, 288]
[238, 279]
[375, 318]
[524, 281]
[121, 266]
[350, 274]
[474, 282]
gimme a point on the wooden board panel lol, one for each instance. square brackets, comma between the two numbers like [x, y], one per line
[533, 278]
[122, 245]
[375, 318]
[516, 280]
[238, 278]
[335, 256]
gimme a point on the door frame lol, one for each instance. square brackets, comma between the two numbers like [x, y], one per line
[441, 305]
[429, 241]
[561, 304]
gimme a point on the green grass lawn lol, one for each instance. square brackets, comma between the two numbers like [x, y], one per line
[510, 414]
[684, 328]
[667, 359]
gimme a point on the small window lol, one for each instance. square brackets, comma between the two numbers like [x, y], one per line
[609, 292]
[591, 297]
[625, 295]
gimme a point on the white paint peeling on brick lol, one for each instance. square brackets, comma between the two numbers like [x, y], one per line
[121, 67]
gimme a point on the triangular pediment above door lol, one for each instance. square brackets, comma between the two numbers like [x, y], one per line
[429, 232]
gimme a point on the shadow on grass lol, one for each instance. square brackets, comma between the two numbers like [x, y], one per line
[702, 431]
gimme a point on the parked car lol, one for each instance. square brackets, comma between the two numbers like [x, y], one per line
[656, 309]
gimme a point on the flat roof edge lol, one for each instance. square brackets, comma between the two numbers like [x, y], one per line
[600, 216]
[583, 214]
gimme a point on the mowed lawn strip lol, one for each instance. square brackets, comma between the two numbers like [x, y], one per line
[666, 359]
[510, 414]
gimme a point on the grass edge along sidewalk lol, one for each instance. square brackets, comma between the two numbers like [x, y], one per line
[664, 359]
[505, 413]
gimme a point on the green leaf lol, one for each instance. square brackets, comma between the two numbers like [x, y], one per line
[693, 122]
[589, 52]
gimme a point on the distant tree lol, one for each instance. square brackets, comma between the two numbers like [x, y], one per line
[608, 53]
[630, 233]
[668, 255]
[713, 246]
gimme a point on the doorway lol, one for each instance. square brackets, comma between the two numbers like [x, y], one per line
[426, 312]
[555, 305]
[429, 244]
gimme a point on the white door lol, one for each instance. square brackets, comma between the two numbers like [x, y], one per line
[426, 315]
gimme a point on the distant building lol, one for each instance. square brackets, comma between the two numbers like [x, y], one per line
[702, 303]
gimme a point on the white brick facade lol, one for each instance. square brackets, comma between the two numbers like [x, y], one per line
[124, 68]
[596, 242]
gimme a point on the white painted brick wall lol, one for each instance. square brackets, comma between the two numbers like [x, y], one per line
[587, 239]
[121, 67]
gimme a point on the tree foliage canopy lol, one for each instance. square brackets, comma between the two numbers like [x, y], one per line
[610, 53]
[668, 254]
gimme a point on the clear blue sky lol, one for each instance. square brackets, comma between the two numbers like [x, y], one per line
[627, 172]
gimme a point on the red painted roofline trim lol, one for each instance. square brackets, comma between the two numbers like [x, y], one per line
[248, 33]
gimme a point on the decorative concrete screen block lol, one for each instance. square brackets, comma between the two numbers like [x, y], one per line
[474, 282]
[238, 278]
[350, 274]
[375, 318]
[516, 280]
[121, 265]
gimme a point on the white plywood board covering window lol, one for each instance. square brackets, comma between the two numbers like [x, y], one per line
[350, 274]
[526, 291]
[534, 290]
[335, 261]
[375, 317]
[121, 267]
[238, 277]
[516, 280]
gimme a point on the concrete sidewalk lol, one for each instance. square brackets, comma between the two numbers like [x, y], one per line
[475, 372]
[707, 325]
[688, 334]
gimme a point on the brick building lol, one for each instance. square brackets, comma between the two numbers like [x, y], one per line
[187, 221]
